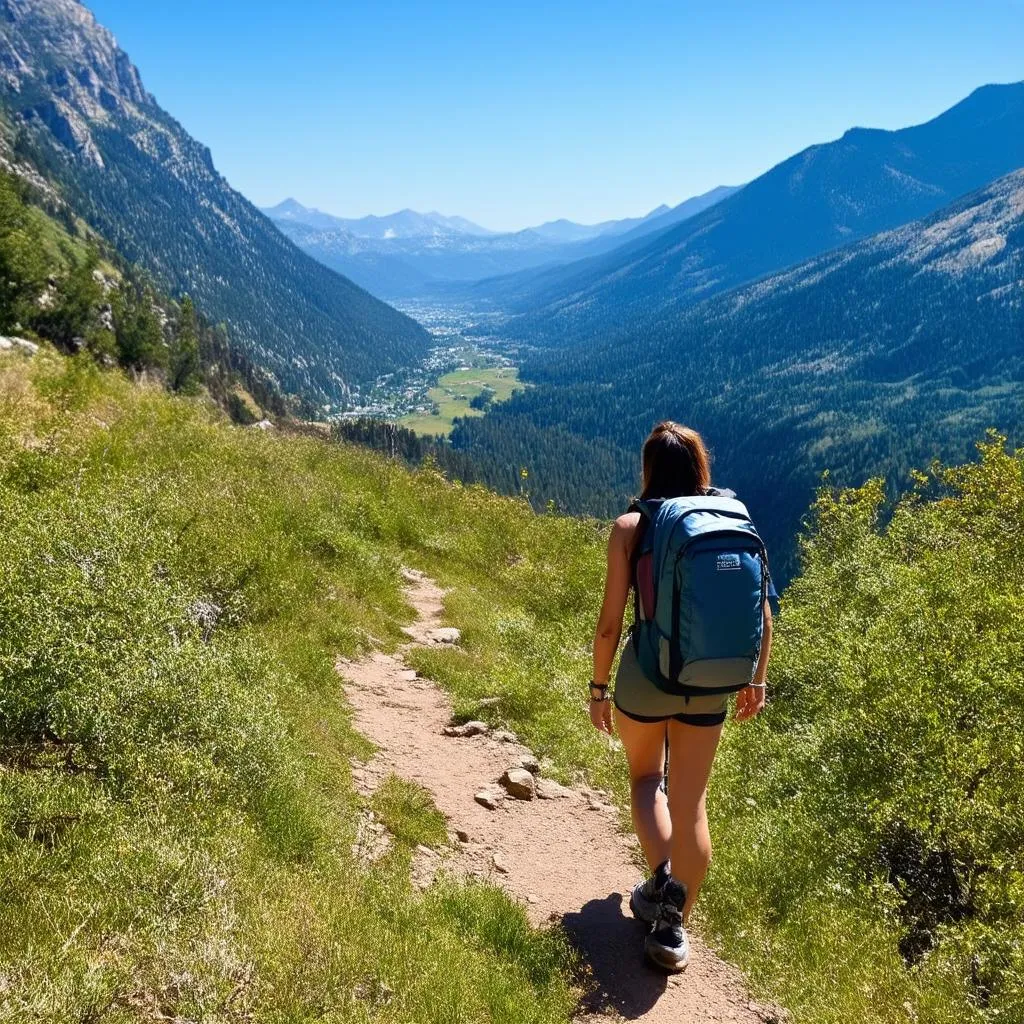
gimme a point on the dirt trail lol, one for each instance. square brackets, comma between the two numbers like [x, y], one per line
[563, 856]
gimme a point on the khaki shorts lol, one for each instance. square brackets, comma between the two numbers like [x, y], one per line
[638, 698]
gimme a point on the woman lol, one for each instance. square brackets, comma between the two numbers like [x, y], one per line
[672, 828]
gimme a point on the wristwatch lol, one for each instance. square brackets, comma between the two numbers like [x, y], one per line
[599, 692]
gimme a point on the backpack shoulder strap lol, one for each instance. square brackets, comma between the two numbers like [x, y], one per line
[644, 535]
[643, 544]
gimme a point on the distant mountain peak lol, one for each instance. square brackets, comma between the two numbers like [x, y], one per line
[404, 223]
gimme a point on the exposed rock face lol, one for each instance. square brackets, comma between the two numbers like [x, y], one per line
[57, 47]
[67, 29]
[29, 348]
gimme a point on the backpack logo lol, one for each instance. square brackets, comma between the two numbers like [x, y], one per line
[727, 560]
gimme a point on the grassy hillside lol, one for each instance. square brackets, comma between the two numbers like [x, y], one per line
[174, 749]
[177, 815]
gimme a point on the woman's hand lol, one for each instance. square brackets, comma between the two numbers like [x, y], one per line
[749, 702]
[601, 715]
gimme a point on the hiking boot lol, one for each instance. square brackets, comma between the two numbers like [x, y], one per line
[667, 944]
[644, 900]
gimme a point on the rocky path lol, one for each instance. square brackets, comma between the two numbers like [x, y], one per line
[560, 853]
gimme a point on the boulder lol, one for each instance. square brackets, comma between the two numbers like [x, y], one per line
[505, 736]
[489, 798]
[468, 729]
[548, 789]
[530, 763]
[29, 348]
[519, 783]
[444, 635]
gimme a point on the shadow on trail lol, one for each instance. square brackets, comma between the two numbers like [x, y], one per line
[612, 944]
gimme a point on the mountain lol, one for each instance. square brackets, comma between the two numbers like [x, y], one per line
[824, 197]
[293, 212]
[411, 254]
[663, 217]
[658, 219]
[403, 224]
[381, 269]
[134, 174]
[563, 230]
[869, 360]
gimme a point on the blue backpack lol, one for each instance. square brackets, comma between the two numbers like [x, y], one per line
[701, 580]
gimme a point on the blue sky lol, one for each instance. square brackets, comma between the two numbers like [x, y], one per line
[512, 114]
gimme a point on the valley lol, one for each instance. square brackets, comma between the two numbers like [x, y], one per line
[461, 375]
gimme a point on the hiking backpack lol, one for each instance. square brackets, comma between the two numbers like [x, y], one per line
[701, 579]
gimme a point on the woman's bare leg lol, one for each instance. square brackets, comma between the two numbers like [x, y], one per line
[644, 743]
[691, 755]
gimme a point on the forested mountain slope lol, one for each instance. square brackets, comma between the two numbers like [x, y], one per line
[827, 196]
[136, 175]
[62, 283]
[869, 360]
[419, 256]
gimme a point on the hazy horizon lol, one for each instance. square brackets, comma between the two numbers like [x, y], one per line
[452, 214]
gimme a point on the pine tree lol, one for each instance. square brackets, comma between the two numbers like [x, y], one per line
[140, 341]
[22, 263]
[185, 373]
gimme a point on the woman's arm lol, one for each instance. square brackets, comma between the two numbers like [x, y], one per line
[609, 623]
[750, 700]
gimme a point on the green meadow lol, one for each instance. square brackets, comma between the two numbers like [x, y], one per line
[454, 392]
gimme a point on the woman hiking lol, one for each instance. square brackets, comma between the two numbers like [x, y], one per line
[666, 702]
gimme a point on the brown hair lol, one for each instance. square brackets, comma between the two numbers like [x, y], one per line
[675, 462]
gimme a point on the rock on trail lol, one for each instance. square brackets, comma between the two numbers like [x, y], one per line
[555, 855]
[519, 783]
